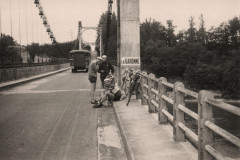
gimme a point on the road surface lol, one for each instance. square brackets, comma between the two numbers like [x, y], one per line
[50, 118]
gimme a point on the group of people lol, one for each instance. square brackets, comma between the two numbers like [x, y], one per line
[106, 70]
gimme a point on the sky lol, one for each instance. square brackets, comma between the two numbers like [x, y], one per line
[63, 16]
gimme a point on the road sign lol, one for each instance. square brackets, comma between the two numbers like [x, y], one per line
[130, 61]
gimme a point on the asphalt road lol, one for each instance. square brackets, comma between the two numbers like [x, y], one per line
[50, 118]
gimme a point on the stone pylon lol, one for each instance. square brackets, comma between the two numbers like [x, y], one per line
[129, 34]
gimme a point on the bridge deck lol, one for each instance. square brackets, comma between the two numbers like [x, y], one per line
[146, 139]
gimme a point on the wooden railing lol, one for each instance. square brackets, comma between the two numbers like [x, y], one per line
[154, 94]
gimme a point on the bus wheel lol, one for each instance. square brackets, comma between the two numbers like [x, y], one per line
[73, 70]
[86, 69]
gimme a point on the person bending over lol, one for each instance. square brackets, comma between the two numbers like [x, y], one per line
[104, 69]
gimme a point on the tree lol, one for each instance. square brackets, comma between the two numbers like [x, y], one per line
[33, 49]
[171, 38]
[152, 30]
[153, 35]
[231, 77]
[202, 34]
[7, 53]
[234, 30]
[181, 37]
[111, 50]
[219, 39]
[191, 32]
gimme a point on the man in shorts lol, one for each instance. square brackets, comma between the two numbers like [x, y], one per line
[111, 92]
[92, 76]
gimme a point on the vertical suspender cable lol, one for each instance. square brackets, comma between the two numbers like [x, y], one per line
[26, 26]
[11, 26]
[37, 29]
[32, 23]
[41, 33]
[11, 16]
[19, 20]
[26, 22]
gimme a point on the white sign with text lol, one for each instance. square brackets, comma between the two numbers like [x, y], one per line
[130, 61]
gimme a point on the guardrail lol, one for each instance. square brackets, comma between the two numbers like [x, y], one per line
[154, 94]
[10, 74]
[19, 65]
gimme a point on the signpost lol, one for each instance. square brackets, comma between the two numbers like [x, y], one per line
[130, 61]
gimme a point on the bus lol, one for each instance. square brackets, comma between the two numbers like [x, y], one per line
[79, 60]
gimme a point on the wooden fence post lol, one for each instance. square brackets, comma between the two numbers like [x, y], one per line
[205, 135]
[151, 107]
[162, 90]
[144, 101]
[178, 115]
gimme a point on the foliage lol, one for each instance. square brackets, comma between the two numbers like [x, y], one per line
[10, 54]
[111, 50]
[231, 77]
[7, 53]
[57, 50]
[204, 59]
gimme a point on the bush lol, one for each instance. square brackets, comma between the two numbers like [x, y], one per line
[231, 78]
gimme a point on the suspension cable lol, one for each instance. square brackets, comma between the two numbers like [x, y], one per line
[32, 23]
[41, 34]
[11, 16]
[19, 20]
[26, 22]
[37, 29]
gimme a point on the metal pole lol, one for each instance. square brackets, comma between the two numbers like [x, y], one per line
[1, 32]
[118, 43]
[100, 42]
[0, 23]
[80, 34]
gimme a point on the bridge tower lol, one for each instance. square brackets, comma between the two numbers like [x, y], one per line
[82, 29]
[128, 35]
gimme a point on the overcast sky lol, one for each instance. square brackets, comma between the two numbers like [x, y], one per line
[63, 16]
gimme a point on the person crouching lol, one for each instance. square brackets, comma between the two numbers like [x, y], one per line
[110, 93]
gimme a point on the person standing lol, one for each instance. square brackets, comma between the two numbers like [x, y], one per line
[92, 76]
[104, 69]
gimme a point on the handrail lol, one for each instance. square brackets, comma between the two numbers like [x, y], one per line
[169, 100]
[214, 153]
[188, 92]
[235, 140]
[146, 86]
[154, 103]
[154, 94]
[188, 111]
[145, 96]
[188, 131]
[224, 106]
[169, 116]
[154, 91]
[170, 85]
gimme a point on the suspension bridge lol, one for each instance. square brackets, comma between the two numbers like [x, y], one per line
[46, 111]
